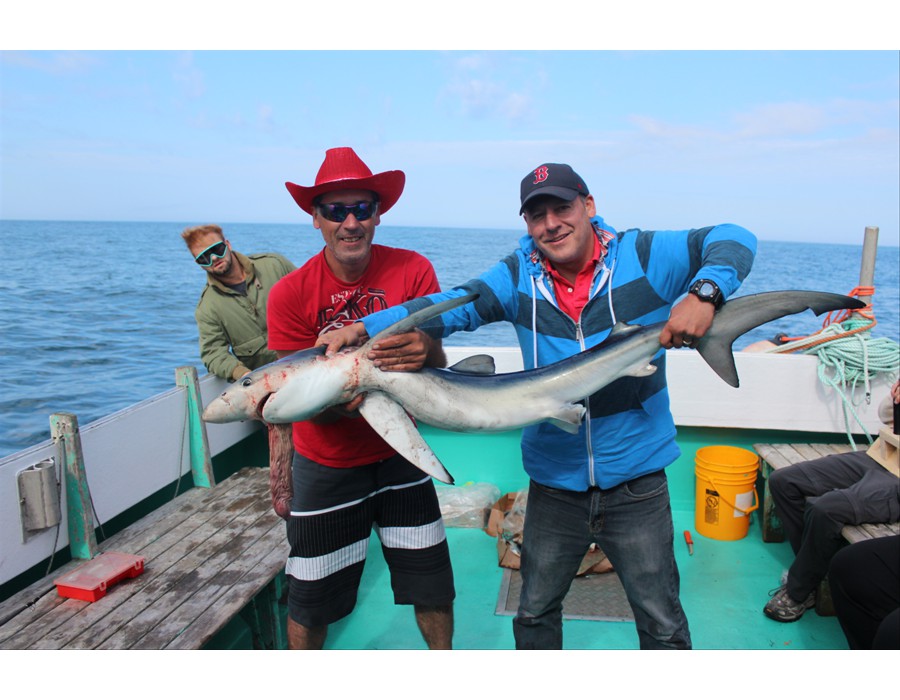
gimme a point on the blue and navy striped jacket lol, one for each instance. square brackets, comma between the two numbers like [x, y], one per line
[629, 430]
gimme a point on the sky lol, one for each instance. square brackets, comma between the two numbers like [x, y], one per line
[796, 145]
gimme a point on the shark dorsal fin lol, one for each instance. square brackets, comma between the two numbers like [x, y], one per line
[621, 330]
[475, 364]
[416, 318]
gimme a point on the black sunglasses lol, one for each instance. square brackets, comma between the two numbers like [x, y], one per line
[217, 250]
[338, 211]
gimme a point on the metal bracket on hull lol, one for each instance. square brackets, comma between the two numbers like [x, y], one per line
[38, 498]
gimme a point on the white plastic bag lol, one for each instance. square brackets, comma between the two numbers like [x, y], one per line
[467, 505]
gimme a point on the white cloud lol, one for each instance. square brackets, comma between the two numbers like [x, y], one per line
[476, 92]
[188, 76]
[52, 62]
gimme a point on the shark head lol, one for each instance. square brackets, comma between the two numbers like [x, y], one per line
[294, 388]
[247, 397]
[315, 385]
[302, 385]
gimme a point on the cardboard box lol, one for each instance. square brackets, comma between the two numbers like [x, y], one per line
[498, 512]
[508, 555]
[595, 561]
[509, 542]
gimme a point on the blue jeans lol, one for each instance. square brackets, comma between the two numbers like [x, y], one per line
[632, 524]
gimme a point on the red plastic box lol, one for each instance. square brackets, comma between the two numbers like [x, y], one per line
[90, 580]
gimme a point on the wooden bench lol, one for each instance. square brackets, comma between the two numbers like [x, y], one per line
[210, 554]
[777, 456]
[869, 531]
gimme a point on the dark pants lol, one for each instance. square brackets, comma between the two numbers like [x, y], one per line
[632, 523]
[865, 587]
[815, 499]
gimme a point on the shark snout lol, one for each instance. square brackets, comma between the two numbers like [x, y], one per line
[217, 411]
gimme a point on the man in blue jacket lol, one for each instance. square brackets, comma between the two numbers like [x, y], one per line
[572, 278]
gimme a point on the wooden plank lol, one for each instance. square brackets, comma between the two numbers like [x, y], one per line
[869, 531]
[174, 577]
[156, 627]
[771, 454]
[779, 456]
[192, 575]
[832, 448]
[137, 539]
[167, 558]
[770, 458]
[806, 452]
[130, 539]
[783, 455]
[46, 613]
[214, 617]
[196, 527]
[776, 456]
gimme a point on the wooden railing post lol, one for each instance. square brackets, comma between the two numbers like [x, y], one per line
[201, 463]
[79, 511]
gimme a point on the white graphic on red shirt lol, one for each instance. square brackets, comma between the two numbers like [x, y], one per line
[351, 305]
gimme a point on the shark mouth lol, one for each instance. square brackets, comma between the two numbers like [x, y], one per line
[261, 405]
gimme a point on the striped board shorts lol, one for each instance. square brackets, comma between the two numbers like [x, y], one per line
[332, 515]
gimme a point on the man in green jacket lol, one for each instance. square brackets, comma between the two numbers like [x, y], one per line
[231, 314]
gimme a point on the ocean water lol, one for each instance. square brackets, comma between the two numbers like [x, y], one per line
[96, 316]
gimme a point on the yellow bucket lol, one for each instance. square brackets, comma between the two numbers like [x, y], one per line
[726, 491]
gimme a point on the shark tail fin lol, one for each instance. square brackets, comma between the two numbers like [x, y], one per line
[743, 314]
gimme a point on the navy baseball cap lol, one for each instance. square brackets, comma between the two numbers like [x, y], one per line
[553, 180]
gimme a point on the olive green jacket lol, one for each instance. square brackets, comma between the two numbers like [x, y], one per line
[233, 328]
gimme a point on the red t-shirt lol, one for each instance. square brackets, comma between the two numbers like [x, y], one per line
[311, 299]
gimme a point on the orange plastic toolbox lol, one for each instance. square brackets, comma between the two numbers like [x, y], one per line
[90, 580]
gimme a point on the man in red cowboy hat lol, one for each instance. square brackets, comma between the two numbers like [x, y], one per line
[345, 477]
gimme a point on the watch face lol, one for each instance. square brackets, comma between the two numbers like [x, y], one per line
[707, 290]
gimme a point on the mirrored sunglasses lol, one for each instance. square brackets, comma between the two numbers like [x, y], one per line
[215, 251]
[338, 211]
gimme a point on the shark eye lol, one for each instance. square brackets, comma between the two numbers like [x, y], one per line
[246, 382]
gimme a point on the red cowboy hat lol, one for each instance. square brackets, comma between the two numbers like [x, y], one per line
[342, 169]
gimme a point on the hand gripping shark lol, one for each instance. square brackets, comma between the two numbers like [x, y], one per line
[466, 398]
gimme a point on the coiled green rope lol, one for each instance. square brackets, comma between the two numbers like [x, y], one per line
[849, 358]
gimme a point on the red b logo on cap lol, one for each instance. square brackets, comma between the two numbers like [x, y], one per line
[540, 175]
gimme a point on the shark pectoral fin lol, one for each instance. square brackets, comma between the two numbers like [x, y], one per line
[396, 428]
[642, 371]
[569, 418]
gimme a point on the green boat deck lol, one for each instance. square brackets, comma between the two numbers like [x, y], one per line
[724, 585]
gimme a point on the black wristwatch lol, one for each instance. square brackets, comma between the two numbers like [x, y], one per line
[707, 290]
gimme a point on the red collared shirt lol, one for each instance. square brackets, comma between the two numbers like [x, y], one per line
[572, 298]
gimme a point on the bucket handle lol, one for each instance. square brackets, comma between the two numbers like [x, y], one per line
[727, 502]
